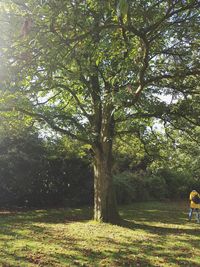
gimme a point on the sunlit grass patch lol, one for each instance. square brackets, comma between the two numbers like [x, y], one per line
[153, 234]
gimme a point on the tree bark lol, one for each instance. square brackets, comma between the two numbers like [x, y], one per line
[105, 207]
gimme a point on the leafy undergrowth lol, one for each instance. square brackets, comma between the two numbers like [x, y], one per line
[153, 234]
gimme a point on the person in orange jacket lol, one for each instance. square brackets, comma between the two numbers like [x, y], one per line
[194, 205]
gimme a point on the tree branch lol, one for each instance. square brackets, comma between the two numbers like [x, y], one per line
[40, 117]
[143, 68]
[77, 100]
[169, 76]
[169, 14]
[46, 101]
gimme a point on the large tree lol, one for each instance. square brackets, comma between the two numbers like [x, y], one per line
[92, 69]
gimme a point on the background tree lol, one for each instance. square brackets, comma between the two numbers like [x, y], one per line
[95, 69]
[41, 172]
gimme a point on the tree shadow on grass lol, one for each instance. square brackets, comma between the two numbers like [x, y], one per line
[159, 229]
[118, 252]
[155, 215]
[178, 254]
[76, 254]
[89, 257]
[9, 261]
[156, 250]
[47, 216]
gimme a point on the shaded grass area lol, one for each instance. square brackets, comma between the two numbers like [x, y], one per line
[152, 234]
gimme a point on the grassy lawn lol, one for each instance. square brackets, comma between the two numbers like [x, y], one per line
[154, 234]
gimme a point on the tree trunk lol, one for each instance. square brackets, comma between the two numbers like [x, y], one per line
[105, 208]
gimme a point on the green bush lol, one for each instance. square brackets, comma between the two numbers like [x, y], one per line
[156, 187]
[165, 184]
[178, 183]
[130, 187]
[174, 182]
[31, 177]
[141, 186]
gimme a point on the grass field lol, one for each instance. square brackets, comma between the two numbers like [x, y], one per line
[153, 234]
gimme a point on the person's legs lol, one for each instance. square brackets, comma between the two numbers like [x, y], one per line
[190, 214]
[198, 215]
